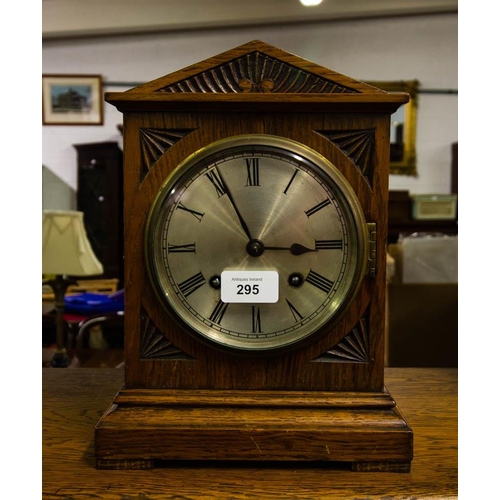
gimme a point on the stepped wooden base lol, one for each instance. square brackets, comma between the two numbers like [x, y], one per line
[141, 427]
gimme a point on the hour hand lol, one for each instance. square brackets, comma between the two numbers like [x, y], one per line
[294, 248]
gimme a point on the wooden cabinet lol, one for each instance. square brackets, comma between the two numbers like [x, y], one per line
[100, 198]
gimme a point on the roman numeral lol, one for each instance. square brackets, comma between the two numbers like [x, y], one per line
[215, 178]
[318, 207]
[252, 172]
[328, 245]
[188, 248]
[319, 281]
[196, 214]
[192, 284]
[296, 315]
[218, 312]
[256, 326]
[291, 180]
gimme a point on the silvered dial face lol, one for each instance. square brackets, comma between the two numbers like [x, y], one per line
[256, 203]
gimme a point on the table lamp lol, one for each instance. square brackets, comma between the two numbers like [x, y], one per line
[66, 251]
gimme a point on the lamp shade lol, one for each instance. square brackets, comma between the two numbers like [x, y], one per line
[65, 246]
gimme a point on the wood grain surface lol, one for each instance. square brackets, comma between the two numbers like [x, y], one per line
[74, 400]
[171, 118]
[205, 367]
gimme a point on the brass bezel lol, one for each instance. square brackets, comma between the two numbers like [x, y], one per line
[337, 183]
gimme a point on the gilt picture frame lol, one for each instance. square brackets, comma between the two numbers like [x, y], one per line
[72, 100]
[403, 127]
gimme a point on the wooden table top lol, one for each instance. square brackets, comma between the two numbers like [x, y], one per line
[74, 400]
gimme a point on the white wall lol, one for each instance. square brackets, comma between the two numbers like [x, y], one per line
[399, 48]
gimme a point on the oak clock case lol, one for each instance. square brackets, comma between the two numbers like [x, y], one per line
[275, 216]
[255, 165]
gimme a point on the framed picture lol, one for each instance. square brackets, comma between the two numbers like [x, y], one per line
[403, 127]
[72, 100]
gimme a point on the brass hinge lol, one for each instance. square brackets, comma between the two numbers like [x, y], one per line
[372, 249]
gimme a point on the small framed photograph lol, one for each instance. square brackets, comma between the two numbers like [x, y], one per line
[72, 100]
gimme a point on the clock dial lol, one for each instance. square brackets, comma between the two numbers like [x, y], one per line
[253, 204]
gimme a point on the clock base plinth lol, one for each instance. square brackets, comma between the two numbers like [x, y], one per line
[365, 430]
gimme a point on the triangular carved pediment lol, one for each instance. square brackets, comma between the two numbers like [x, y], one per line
[256, 76]
[257, 72]
[256, 67]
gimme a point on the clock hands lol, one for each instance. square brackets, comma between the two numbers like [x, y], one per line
[254, 246]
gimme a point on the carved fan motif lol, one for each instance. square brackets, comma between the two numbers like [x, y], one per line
[154, 142]
[353, 348]
[257, 72]
[154, 345]
[358, 145]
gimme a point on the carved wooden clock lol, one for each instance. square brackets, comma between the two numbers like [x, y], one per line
[256, 187]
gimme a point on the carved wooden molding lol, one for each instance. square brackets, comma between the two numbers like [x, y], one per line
[154, 143]
[353, 348]
[154, 345]
[256, 72]
[357, 145]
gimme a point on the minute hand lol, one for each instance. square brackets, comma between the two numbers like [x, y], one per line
[233, 203]
[294, 248]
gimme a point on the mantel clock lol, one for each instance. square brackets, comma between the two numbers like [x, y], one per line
[255, 200]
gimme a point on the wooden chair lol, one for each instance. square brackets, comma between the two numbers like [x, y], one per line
[110, 325]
